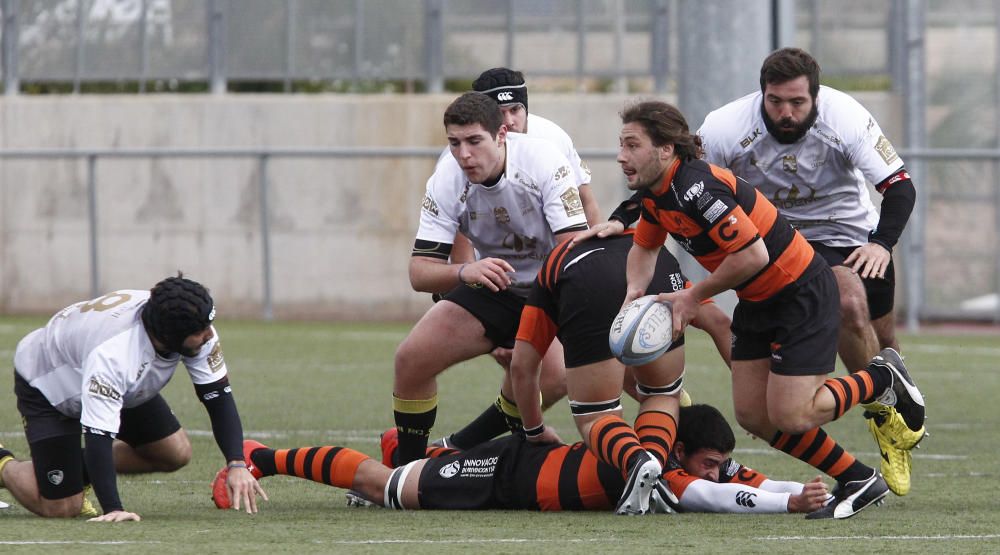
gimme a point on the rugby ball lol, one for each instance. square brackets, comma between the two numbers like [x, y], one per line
[642, 331]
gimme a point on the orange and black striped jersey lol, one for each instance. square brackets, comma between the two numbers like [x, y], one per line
[579, 290]
[712, 214]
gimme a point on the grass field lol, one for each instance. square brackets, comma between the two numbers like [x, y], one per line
[319, 384]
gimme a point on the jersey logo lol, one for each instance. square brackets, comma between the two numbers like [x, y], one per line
[749, 139]
[695, 191]
[95, 387]
[714, 211]
[501, 215]
[55, 477]
[215, 360]
[429, 205]
[519, 243]
[571, 202]
[792, 199]
[725, 233]
[450, 470]
[885, 150]
[789, 163]
[745, 499]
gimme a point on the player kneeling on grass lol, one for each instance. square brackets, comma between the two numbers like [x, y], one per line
[100, 365]
[512, 474]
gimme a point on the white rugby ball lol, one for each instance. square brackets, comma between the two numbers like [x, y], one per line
[642, 331]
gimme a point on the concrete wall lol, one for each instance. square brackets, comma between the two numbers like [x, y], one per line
[341, 229]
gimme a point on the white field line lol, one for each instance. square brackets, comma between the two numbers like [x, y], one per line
[945, 537]
[75, 542]
[468, 541]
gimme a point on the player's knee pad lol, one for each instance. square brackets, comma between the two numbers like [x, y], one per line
[581, 408]
[393, 497]
[672, 389]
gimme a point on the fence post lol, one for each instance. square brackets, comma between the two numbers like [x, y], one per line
[11, 86]
[265, 235]
[434, 45]
[659, 49]
[95, 275]
[914, 124]
[216, 47]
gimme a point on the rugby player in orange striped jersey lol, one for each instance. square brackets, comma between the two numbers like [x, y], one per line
[509, 473]
[785, 323]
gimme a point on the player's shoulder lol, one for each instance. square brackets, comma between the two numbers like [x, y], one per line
[448, 175]
[533, 156]
[544, 128]
[841, 113]
[733, 119]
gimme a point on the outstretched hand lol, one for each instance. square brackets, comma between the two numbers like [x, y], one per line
[601, 230]
[116, 516]
[244, 488]
[814, 495]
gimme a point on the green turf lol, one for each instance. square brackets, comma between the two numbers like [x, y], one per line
[314, 383]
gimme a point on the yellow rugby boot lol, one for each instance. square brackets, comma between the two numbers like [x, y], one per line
[87, 510]
[895, 441]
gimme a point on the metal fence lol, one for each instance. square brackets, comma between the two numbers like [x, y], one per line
[941, 57]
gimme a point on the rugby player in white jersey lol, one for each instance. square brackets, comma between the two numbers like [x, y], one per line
[508, 88]
[99, 366]
[810, 149]
[514, 197]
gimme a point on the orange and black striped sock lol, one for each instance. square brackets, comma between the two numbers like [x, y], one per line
[330, 465]
[614, 442]
[859, 387]
[656, 431]
[822, 452]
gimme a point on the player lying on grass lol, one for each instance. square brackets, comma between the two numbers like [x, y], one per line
[510, 473]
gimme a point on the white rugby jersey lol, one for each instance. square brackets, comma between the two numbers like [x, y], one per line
[818, 183]
[94, 358]
[517, 218]
[543, 128]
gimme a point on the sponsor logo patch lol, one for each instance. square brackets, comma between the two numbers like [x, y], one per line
[215, 360]
[571, 202]
[714, 211]
[95, 387]
[885, 150]
[429, 205]
[55, 477]
[695, 191]
[450, 470]
[505, 96]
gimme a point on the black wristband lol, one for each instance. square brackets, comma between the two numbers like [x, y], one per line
[534, 432]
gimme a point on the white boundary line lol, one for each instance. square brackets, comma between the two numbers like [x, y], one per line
[917, 538]
[466, 541]
[75, 542]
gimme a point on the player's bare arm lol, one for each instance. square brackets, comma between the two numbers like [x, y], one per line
[639, 271]
[431, 275]
[735, 269]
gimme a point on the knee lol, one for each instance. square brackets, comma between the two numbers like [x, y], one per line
[177, 459]
[750, 420]
[854, 314]
[790, 423]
